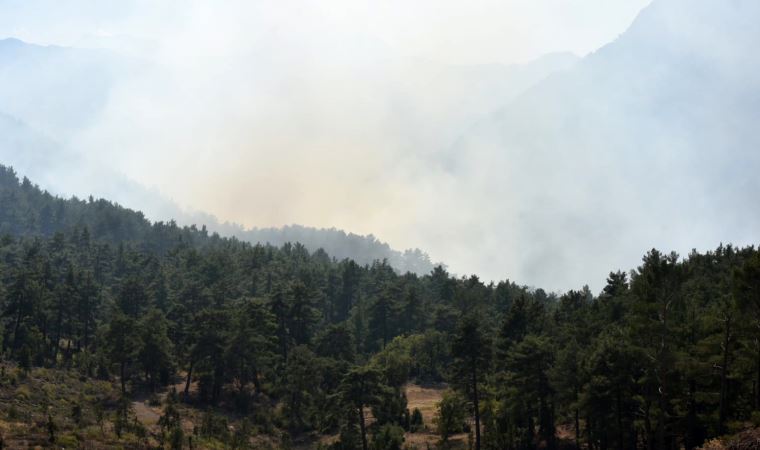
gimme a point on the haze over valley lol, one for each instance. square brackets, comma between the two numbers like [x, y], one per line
[443, 153]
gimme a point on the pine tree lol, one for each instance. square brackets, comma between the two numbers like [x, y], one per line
[155, 348]
[361, 388]
[472, 354]
[121, 345]
[383, 314]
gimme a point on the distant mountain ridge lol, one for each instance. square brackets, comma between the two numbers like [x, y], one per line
[364, 250]
[30, 211]
[660, 123]
[337, 243]
[47, 93]
[78, 80]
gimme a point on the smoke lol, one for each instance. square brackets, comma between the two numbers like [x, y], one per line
[649, 142]
[411, 122]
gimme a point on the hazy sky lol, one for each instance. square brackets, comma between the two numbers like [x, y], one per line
[271, 113]
[453, 31]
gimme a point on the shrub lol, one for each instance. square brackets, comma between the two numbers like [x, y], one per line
[452, 414]
[13, 414]
[416, 423]
[67, 441]
[388, 437]
[755, 419]
[23, 393]
[154, 400]
[214, 425]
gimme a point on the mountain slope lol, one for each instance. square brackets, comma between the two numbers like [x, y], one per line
[659, 124]
[50, 94]
[337, 243]
[29, 211]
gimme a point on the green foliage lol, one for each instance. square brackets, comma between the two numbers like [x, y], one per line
[388, 437]
[155, 349]
[121, 344]
[668, 354]
[350, 434]
[452, 415]
[123, 416]
[299, 388]
[337, 341]
[471, 349]
[214, 425]
[416, 421]
[170, 422]
[360, 388]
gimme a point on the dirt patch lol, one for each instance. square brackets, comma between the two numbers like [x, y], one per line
[147, 415]
[566, 432]
[747, 440]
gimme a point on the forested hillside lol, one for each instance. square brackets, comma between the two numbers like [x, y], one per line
[338, 243]
[256, 346]
[36, 154]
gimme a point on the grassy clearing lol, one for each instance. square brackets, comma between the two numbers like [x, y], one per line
[426, 398]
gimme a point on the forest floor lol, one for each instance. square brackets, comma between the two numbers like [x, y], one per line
[42, 402]
[30, 401]
[60, 408]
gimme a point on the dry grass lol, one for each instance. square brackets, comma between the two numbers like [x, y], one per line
[146, 414]
[426, 398]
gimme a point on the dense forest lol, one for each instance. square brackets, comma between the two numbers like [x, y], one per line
[291, 345]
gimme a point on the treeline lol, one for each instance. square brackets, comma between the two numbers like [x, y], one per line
[40, 213]
[337, 243]
[297, 342]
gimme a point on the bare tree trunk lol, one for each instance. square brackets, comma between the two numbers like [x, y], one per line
[757, 383]
[189, 379]
[123, 380]
[724, 376]
[16, 329]
[363, 427]
[648, 425]
[86, 333]
[691, 418]
[662, 375]
[476, 404]
[256, 381]
[58, 326]
[621, 441]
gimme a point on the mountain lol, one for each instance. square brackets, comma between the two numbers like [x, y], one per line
[50, 94]
[64, 215]
[337, 243]
[433, 103]
[660, 123]
[62, 171]
[57, 89]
